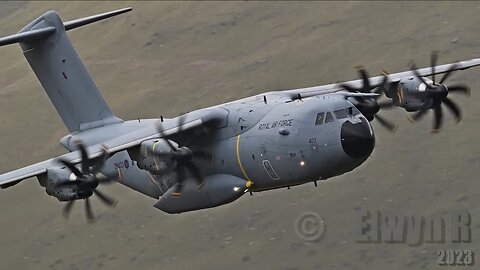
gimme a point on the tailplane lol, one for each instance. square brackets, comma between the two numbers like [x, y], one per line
[59, 69]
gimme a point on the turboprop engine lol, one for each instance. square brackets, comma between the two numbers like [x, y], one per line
[420, 94]
[153, 156]
[55, 183]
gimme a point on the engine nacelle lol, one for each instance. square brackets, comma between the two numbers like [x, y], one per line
[152, 156]
[53, 178]
[217, 189]
[67, 193]
[409, 93]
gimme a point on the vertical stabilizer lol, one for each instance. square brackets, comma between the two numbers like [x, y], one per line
[62, 74]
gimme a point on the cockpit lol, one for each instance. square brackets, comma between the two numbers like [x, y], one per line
[327, 117]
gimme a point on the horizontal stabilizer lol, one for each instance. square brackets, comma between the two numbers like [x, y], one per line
[95, 18]
[28, 36]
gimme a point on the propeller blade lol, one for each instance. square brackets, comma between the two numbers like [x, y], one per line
[349, 88]
[385, 123]
[433, 63]
[104, 179]
[181, 122]
[89, 211]
[380, 89]
[181, 177]
[178, 190]
[84, 163]
[162, 134]
[386, 104]
[415, 72]
[71, 167]
[170, 144]
[181, 173]
[105, 199]
[461, 88]
[67, 209]
[195, 171]
[102, 159]
[448, 73]
[438, 118]
[366, 82]
[453, 108]
[418, 115]
[437, 94]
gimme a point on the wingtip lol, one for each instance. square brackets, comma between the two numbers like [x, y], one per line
[95, 18]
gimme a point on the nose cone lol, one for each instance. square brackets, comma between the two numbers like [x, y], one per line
[357, 139]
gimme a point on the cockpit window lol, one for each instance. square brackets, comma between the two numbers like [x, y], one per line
[344, 113]
[319, 120]
[328, 118]
[355, 111]
[340, 114]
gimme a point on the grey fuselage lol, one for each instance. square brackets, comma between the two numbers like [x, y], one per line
[269, 139]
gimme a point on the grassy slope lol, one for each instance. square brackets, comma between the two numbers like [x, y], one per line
[165, 58]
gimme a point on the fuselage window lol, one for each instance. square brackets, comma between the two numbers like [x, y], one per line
[319, 120]
[328, 118]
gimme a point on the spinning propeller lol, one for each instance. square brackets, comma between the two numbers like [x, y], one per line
[370, 106]
[87, 181]
[183, 157]
[436, 94]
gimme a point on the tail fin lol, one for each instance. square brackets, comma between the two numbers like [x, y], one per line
[62, 74]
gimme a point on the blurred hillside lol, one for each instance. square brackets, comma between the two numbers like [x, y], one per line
[169, 57]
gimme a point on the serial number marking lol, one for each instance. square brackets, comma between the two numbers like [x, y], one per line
[455, 257]
[275, 124]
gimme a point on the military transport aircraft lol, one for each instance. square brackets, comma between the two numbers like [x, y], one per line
[214, 155]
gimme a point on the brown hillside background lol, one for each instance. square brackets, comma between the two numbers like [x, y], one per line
[170, 57]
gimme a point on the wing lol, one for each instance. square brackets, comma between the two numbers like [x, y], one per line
[207, 118]
[332, 88]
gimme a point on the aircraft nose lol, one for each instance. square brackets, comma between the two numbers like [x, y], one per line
[357, 139]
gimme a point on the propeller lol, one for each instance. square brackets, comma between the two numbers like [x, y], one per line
[87, 181]
[436, 94]
[370, 106]
[184, 158]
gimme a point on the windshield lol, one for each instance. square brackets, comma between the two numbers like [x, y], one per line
[347, 112]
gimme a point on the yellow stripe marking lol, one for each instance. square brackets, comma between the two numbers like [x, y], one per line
[239, 160]
[150, 177]
[154, 147]
[119, 174]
